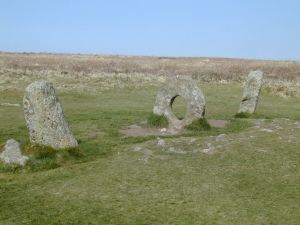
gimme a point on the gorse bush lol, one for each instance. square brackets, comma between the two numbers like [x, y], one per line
[155, 120]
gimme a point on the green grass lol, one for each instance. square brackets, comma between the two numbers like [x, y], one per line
[253, 182]
[245, 115]
[201, 128]
[154, 120]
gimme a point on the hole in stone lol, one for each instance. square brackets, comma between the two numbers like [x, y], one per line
[178, 106]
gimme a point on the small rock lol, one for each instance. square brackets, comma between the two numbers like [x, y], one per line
[193, 140]
[261, 150]
[145, 159]
[137, 148]
[206, 150]
[171, 149]
[267, 130]
[209, 148]
[160, 142]
[178, 151]
[221, 137]
[209, 145]
[12, 153]
[148, 152]
[196, 150]
[163, 130]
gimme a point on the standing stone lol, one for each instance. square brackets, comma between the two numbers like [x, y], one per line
[45, 118]
[251, 92]
[12, 153]
[190, 92]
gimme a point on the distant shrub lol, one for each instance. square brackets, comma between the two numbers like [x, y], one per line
[283, 89]
[155, 120]
[199, 125]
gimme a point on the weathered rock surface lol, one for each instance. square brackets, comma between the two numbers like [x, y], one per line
[251, 92]
[190, 92]
[12, 153]
[45, 118]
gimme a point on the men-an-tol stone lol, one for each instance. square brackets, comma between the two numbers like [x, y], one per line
[251, 92]
[190, 92]
[12, 153]
[45, 118]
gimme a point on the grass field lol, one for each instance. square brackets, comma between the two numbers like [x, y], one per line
[252, 177]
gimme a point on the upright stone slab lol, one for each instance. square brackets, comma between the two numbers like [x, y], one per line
[189, 91]
[45, 118]
[12, 153]
[251, 92]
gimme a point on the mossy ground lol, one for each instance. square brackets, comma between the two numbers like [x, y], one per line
[252, 182]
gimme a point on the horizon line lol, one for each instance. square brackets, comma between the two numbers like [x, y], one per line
[147, 56]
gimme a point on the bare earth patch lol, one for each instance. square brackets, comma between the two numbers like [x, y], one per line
[218, 123]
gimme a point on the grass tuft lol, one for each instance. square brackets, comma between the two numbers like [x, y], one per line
[10, 168]
[75, 152]
[34, 164]
[46, 157]
[43, 152]
[243, 115]
[199, 125]
[155, 120]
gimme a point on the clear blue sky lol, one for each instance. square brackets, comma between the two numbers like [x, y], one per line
[265, 29]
